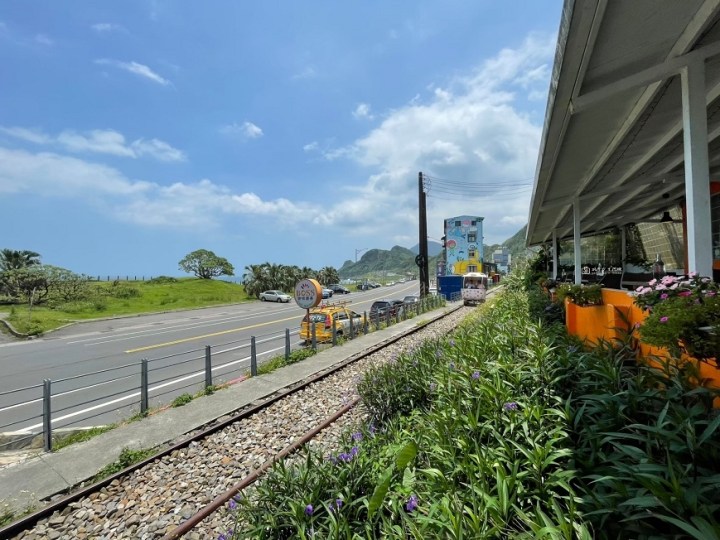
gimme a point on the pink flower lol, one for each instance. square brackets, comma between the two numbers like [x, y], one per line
[685, 293]
[637, 325]
[664, 296]
[660, 287]
[663, 319]
[652, 282]
[692, 274]
[710, 293]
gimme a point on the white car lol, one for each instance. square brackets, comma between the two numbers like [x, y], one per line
[274, 296]
[327, 293]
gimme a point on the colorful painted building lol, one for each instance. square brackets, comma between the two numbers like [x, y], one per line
[463, 242]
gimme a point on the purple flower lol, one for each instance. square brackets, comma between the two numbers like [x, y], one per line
[309, 510]
[337, 505]
[511, 406]
[451, 365]
[438, 353]
[664, 296]
[222, 537]
[354, 451]
[357, 436]
[663, 319]
[372, 429]
[685, 293]
[476, 375]
[452, 342]
[412, 503]
[232, 504]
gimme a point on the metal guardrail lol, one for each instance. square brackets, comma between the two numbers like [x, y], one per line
[52, 406]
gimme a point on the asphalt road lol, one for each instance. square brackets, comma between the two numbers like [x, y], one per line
[95, 367]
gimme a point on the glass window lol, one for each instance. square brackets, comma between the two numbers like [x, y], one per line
[458, 223]
[472, 237]
[472, 268]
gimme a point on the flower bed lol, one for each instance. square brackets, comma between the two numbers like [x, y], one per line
[508, 429]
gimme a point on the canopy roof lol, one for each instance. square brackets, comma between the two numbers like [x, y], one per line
[613, 133]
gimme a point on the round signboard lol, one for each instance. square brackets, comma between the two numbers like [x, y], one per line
[308, 293]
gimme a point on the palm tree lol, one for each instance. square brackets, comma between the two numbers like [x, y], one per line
[14, 260]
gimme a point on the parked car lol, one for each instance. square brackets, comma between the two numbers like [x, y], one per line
[322, 317]
[385, 308]
[339, 289]
[274, 296]
[411, 299]
[327, 293]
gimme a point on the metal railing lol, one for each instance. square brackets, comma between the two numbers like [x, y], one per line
[133, 389]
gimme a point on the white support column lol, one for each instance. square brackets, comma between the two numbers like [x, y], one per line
[623, 246]
[697, 173]
[576, 240]
[555, 254]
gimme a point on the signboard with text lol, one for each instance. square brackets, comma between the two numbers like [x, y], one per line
[308, 293]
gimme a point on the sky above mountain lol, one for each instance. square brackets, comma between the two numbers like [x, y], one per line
[135, 132]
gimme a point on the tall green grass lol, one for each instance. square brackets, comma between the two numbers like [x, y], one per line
[108, 299]
[508, 429]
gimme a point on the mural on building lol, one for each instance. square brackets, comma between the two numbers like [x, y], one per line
[463, 245]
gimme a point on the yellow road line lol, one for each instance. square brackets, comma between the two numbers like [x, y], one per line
[167, 344]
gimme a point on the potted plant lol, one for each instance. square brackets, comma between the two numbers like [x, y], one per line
[581, 295]
[683, 315]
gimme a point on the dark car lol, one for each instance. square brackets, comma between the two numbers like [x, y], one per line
[385, 308]
[339, 289]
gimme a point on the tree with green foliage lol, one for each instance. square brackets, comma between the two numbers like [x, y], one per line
[206, 265]
[328, 275]
[14, 260]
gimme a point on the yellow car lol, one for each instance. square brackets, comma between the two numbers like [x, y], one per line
[322, 318]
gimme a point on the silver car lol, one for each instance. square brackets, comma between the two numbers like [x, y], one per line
[274, 296]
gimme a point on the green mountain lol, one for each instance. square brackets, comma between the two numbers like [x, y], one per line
[376, 264]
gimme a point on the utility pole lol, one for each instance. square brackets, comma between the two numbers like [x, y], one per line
[358, 251]
[422, 259]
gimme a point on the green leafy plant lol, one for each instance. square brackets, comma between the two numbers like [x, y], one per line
[127, 458]
[683, 315]
[582, 295]
[182, 399]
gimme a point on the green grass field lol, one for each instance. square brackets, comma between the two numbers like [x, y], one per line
[111, 299]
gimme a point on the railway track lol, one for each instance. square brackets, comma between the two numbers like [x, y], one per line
[176, 491]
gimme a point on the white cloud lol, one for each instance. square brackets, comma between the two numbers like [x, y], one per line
[307, 73]
[157, 149]
[363, 111]
[100, 141]
[179, 205]
[29, 135]
[42, 39]
[102, 28]
[136, 68]
[470, 129]
[246, 130]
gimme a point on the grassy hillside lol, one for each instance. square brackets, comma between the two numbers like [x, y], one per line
[109, 299]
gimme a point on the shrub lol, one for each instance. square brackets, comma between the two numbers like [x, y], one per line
[182, 399]
[162, 280]
[582, 295]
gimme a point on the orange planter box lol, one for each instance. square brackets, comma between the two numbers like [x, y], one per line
[614, 318]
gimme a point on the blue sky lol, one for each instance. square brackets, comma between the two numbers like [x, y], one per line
[134, 132]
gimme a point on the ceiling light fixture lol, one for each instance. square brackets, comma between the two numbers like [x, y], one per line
[666, 217]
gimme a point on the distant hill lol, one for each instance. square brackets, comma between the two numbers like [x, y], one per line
[400, 261]
[434, 248]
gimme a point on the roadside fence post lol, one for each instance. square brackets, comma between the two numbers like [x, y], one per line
[47, 421]
[365, 323]
[334, 333]
[314, 337]
[352, 327]
[253, 357]
[144, 398]
[387, 318]
[208, 367]
[287, 344]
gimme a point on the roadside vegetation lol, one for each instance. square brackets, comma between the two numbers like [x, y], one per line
[509, 428]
